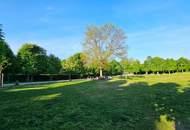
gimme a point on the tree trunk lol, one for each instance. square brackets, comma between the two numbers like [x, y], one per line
[28, 78]
[146, 73]
[50, 78]
[157, 73]
[31, 78]
[1, 79]
[8, 78]
[101, 74]
[169, 72]
[70, 77]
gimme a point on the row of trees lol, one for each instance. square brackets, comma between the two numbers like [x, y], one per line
[31, 59]
[156, 65]
[76, 64]
[102, 45]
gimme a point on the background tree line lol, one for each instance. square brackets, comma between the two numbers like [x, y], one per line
[102, 45]
[156, 65]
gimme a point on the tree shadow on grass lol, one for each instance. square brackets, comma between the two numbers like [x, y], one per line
[96, 105]
[163, 100]
[44, 107]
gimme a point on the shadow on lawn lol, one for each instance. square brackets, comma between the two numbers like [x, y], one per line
[83, 105]
[169, 106]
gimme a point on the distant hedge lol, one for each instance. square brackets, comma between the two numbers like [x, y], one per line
[10, 78]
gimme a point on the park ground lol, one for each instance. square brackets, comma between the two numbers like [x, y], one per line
[153, 102]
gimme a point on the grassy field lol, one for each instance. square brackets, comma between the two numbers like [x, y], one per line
[155, 102]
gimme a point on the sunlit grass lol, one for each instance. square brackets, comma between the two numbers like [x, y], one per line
[47, 97]
[164, 124]
[182, 79]
[151, 102]
[46, 86]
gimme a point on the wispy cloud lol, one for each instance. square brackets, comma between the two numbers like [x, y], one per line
[49, 8]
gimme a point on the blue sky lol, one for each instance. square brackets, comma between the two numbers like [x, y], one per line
[154, 27]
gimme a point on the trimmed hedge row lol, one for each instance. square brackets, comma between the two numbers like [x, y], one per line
[10, 78]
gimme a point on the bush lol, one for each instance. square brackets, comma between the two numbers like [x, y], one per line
[12, 78]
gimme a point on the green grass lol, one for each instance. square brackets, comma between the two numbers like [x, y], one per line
[138, 103]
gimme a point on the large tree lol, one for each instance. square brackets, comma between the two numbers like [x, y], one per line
[33, 59]
[7, 58]
[103, 43]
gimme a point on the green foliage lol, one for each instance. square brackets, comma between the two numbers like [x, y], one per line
[183, 64]
[3, 63]
[53, 64]
[33, 59]
[1, 33]
[147, 64]
[157, 64]
[131, 65]
[170, 65]
[8, 63]
[74, 64]
[114, 68]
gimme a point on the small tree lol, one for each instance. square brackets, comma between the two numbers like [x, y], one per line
[131, 65]
[183, 64]
[170, 65]
[74, 65]
[102, 43]
[147, 64]
[157, 64]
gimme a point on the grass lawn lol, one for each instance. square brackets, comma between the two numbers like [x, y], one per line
[155, 102]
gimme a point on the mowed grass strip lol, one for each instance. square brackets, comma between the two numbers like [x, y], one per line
[154, 102]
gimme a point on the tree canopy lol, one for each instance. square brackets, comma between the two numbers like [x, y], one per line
[53, 64]
[102, 43]
[131, 65]
[114, 68]
[183, 64]
[74, 64]
[8, 61]
[33, 59]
